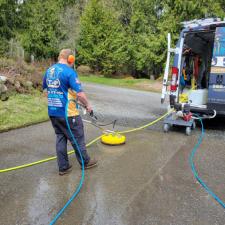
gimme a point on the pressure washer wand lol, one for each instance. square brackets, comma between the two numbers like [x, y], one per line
[100, 127]
[94, 121]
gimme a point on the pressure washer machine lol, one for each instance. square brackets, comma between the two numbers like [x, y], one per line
[181, 117]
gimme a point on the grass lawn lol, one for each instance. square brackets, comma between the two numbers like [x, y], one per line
[141, 84]
[26, 109]
[22, 110]
[110, 81]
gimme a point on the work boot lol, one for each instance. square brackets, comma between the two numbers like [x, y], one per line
[90, 164]
[63, 172]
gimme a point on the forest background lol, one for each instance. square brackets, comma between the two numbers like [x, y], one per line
[110, 36]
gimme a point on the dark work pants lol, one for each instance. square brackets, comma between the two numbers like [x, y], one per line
[62, 135]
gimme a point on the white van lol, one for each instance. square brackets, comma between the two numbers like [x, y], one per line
[198, 70]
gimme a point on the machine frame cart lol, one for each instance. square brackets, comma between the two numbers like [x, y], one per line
[173, 120]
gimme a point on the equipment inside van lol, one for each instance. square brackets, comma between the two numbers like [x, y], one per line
[197, 76]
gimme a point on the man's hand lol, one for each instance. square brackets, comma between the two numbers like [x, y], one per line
[89, 108]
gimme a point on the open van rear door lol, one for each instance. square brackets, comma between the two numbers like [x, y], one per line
[166, 72]
[177, 61]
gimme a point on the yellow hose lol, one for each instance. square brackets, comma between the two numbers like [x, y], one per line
[43, 160]
[90, 143]
[145, 126]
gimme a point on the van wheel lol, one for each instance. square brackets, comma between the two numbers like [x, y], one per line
[188, 131]
[166, 127]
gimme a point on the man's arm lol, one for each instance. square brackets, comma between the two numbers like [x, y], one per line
[76, 86]
[44, 83]
[84, 101]
[44, 86]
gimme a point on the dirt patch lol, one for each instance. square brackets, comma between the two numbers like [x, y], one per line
[22, 76]
[155, 86]
[82, 69]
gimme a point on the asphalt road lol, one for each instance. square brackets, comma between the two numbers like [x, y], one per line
[147, 181]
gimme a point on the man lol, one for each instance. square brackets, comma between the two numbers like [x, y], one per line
[62, 84]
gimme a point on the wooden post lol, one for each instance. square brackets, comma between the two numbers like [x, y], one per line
[32, 58]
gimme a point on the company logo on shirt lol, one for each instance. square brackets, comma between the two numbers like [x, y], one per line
[53, 83]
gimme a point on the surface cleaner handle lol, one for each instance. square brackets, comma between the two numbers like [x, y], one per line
[93, 115]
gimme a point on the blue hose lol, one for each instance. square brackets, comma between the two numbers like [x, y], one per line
[191, 158]
[82, 174]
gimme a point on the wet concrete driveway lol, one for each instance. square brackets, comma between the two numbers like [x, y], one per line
[147, 181]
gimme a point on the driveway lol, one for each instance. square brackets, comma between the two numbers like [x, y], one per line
[146, 181]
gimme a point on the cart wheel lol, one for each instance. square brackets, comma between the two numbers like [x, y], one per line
[193, 125]
[166, 127]
[188, 131]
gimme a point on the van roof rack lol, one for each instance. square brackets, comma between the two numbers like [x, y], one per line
[202, 22]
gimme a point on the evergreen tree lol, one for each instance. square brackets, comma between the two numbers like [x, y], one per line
[143, 34]
[42, 31]
[113, 35]
[9, 20]
[177, 11]
[101, 40]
